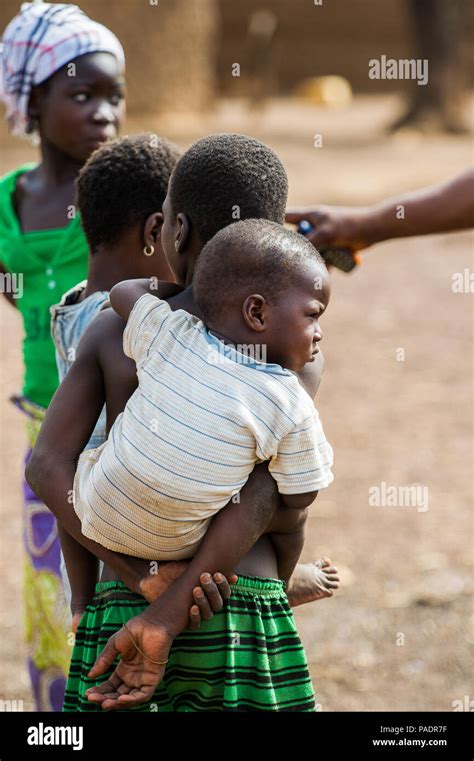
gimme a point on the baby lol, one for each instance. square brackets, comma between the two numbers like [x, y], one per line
[215, 396]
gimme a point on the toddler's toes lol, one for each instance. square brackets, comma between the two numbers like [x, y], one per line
[322, 563]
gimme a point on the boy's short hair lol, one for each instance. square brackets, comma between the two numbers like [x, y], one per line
[226, 177]
[252, 256]
[122, 183]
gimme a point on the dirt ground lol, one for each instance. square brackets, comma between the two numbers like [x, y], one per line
[398, 635]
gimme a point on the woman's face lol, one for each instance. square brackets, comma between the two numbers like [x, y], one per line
[82, 105]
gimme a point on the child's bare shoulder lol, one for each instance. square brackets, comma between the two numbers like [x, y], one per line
[107, 333]
[106, 326]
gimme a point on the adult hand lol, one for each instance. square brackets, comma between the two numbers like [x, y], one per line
[335, 226]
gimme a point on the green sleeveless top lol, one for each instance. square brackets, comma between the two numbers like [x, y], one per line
[43, 265]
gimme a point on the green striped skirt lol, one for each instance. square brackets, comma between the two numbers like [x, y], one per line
[248, 657]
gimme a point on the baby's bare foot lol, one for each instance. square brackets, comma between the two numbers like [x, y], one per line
[153, 585]
[312, 581]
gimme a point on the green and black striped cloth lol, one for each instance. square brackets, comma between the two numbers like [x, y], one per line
[248, 657]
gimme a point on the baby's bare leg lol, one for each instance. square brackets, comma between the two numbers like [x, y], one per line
[287, 533]
[306, 582]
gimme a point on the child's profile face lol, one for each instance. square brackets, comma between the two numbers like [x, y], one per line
[294, 330]
[82, 105]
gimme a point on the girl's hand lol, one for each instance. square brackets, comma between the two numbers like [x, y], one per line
[209, 596]
[143, 642]
[137, 675]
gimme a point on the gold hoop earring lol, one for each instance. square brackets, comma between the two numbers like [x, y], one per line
[149, 250]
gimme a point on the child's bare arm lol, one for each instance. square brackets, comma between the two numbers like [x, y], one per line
[125, 294]
[287, 536]
[82, 570]
[287, 531]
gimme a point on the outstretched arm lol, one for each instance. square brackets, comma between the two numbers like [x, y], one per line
[440, 208]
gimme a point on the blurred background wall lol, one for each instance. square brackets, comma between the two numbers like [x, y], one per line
[169, 47]
[180, 53]
[335, 37]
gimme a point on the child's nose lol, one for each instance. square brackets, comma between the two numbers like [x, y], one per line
[103, 114]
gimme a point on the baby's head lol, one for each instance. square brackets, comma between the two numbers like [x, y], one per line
[257, 283]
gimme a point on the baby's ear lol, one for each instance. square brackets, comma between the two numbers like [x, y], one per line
[254, 312]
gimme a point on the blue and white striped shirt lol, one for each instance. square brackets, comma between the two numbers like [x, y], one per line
[202, 416]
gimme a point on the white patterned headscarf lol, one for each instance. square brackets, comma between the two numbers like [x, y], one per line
[41, 39]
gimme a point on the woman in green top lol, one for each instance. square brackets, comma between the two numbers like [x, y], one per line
[61, 78]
